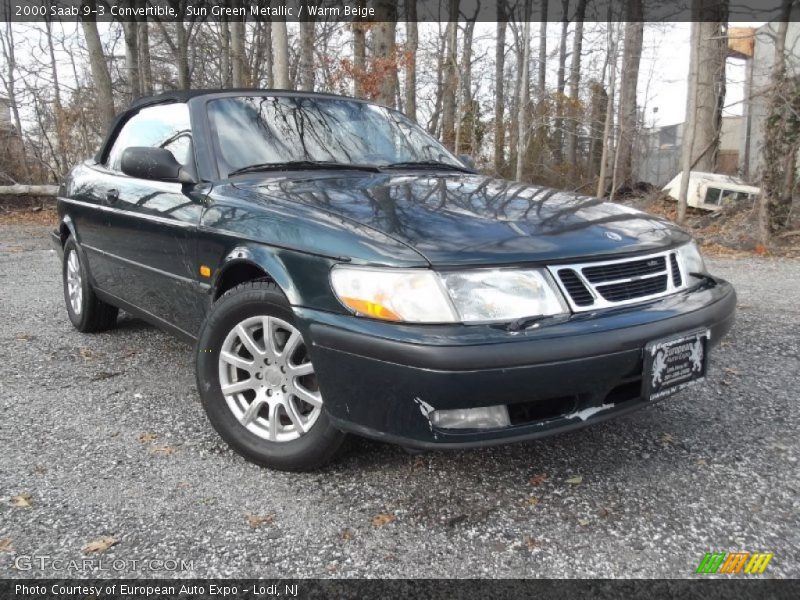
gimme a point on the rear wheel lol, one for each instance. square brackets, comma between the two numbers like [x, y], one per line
[86, 311]
[258, 384]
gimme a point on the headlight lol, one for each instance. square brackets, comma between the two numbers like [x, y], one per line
[502, 294]
[691, 259]
[425, 296]
[414, 295]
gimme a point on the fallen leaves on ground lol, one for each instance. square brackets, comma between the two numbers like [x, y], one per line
[86, 354]
[256, 521]
[382, 519]
[100, 544]
[583, 522]
[21, 501]
[163, 450]
[603, 512]
[534, 500]
[23, 337]
[530, 541]
[146, 437]
[538, 479]
[346, 534]
[667, 438]
[730, 371]
[576, 480]
[5, 545]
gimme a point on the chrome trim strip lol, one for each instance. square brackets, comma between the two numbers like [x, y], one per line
[599, 301]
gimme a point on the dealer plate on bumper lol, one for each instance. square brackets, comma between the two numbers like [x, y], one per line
[674, 363]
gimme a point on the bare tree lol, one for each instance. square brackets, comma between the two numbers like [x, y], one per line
[130, 31]
[307, 54]
[280, 55]
[575, 81]
[412, 44]
[238, 63]
[631, 57]
[782, 140]
[558, 134]
[143, 44]
[384, 57]
[499, 90]
[706, 93]
[97, 61]
[524, 97]
[608, 126]
[450, 77]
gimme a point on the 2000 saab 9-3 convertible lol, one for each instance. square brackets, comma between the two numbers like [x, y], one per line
[339, 271]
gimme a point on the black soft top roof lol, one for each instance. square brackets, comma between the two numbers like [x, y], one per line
[185, 96]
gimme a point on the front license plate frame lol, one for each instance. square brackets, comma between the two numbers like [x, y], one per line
[674, 363]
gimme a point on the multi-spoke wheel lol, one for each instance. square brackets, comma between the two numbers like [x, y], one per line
[258, 384]
[86, 311]
[268, 380]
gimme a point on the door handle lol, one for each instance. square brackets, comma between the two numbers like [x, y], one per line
[112, 195]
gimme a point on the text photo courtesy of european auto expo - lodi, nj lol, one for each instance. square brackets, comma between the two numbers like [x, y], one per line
[437, 298]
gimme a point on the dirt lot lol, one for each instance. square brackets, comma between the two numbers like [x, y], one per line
[103, 436]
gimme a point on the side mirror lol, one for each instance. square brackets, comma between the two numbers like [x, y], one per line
[467, 160]
[157, 164]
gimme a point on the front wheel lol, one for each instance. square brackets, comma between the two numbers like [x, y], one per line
[258, 384]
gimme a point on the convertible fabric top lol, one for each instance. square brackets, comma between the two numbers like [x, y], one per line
[185, 96]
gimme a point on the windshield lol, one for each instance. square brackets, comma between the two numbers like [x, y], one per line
[263, 130]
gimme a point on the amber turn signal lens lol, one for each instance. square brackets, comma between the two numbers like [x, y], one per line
[370, 309]
[205, 271]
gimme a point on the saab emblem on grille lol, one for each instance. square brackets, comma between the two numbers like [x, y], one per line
[652, 263]
[613, 236]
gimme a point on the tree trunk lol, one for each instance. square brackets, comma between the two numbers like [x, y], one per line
[609, 121]
[130, 32]
[359, 56]
[574, 84]
[280, 55]
[145, 70]
[499, 90]
[307, 55]
[100, 75]
[558, 134]
[465, 133]
[182, 44]
[384, 59]
[597, 119]
[58, 107]
[412, 43]
[238, 64]
[225, 53]
[522, 103]
[779, 169]
[28, 190]
[705, 96]
[450, 78]
[631, 56]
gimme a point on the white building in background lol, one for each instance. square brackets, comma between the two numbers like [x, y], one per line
[741, 137]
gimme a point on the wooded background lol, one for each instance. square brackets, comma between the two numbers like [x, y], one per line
[484, 89]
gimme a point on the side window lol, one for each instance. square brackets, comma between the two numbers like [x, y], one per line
[164, 126]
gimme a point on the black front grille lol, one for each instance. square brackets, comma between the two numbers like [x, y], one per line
[676, 272]
[625, 270]
[630, 290]
[575, 288]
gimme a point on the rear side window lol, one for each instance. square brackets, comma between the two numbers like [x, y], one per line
[164, 126]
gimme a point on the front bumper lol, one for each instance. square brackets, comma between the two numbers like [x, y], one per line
[380, 379]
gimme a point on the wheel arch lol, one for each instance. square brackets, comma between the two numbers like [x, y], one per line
[65, 229]
[250, 263]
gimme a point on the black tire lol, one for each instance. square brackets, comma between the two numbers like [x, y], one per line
[94, 314]
[308, 452]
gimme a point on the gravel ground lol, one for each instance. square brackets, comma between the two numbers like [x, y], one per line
[106, 436]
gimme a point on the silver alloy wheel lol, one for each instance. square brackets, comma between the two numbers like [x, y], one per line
[74, 282]
[267, 379]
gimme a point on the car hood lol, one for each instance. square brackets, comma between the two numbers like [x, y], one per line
[460, 219]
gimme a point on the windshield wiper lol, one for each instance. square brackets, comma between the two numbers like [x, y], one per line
[320, 165]
[426, 164]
